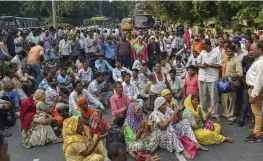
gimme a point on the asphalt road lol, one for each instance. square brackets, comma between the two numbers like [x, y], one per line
[237, 151]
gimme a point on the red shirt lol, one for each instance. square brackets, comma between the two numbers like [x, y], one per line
[118, 104]
[191, 85]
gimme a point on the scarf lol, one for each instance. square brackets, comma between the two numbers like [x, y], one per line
[86, 114]
[27, 112]
[157, 104]
[133, 119]
[189, 106]
[69, 134]
[138, 47]
[166, 92]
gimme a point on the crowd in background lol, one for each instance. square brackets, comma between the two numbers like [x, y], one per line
[162, 86]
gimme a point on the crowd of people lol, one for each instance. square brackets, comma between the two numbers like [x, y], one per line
[161, 86]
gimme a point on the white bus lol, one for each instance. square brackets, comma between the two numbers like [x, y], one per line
[18, 22]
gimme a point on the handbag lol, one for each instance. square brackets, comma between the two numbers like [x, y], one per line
[189, 145]
[209, 125]
[224, 86]
[140, 156]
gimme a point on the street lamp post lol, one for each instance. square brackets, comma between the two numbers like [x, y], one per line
[54, 14]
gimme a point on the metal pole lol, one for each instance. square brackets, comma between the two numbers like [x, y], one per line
[54, 14]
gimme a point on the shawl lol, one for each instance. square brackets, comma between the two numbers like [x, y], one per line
[69, 134]
[189, 106]
[133, 119]
[27, 112]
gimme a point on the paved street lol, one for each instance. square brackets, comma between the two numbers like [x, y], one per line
[238, 151]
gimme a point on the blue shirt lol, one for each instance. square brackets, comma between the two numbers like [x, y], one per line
[62, 80]
[43, 84]
[103, 66]
[110, 50]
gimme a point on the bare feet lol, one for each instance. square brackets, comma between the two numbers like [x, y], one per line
[198, 146]
[228, 140]
[58, 140]
[187, 155]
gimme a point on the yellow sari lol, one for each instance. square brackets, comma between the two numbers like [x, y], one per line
[203, 136]
[74, 143]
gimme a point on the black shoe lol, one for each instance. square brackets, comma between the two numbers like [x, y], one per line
[253, 138]
[5, 133]
[241, 123]
[145, 112]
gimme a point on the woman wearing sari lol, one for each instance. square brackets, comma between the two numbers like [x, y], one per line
[206, 132]
[88, 115]
[171, 128]
[140, 48]
[79, 145]
[140, 134]
[36, 129]
[41, 105]
[171, 102]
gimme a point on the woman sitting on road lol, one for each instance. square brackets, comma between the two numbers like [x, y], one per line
[36, 129]
[141, 135]
[206, 132]
[171, 102]
[41, 105]
[88, 114]
[171, 127]
[79, 145]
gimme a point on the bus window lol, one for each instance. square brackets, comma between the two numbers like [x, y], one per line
[143, 21]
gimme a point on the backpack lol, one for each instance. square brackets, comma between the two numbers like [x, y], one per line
[115, 134]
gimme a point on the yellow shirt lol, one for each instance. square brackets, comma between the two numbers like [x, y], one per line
[233, 66]
[34, 54]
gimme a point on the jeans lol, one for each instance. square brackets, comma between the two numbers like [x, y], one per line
[125, 61]
[37, 73]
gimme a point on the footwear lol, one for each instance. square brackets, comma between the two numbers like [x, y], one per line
[218, 119]
[231, 122]
[241, 123]
[253, 138]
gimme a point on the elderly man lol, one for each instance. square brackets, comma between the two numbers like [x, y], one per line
[254, 78]
[209, 62]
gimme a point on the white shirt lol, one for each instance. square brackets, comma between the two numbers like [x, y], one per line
[85, 76]
[213, 57]
[242, 54]
[140, 81]
[116, 73]
[137, 64]
[82, 42]
[166, 68]
[17, 61]
[130, 90]
[254, 75]
[258, 83]
[64, 47]
[173, 40]
[175, 85]
[191, 61]
[18, 45]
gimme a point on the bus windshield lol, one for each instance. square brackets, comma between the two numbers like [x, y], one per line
[143, 21]
[124, 22]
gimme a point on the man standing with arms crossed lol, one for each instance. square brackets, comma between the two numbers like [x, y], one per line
[254, 79]
[209, 61]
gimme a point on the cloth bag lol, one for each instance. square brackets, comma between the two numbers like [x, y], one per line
[209, 125]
